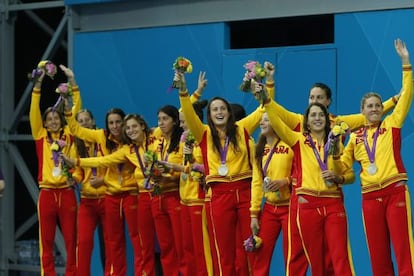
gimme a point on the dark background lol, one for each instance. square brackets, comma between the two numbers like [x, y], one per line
[30, 43]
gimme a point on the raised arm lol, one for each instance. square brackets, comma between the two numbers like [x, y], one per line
[77, 102]
[403, 106]
[195, 125]
[251, 122]
[35, 116]
[284, 131]
[390, 103]
[202, 83]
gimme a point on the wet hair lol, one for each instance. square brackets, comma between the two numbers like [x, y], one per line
[79, 143]
[238, 111]
[172, 111]
[369, 95]
[198, 108]
[231, 127]
[140, 121]
[111, 145]
[306, 130]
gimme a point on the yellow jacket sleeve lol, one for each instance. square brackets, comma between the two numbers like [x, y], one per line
[76, 98]
[251, 122]
[403, 106]
[35, 116]
[114, 158]
[283, 130]
[256, 191]
[195, 125]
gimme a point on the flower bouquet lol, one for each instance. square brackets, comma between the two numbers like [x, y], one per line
[333, 137]
[46, 65]
[64, 90]
[332, 145]
[252, 243]
[197, 174]
[254, 71]
[56, 148]
[188, 138]
[181, 65]
[152, 171]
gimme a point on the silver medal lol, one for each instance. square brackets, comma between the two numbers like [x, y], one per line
[372, 169]
[266, 181]
[56, 172]
[223, 170]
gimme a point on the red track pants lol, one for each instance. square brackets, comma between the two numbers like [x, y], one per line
[57, 205]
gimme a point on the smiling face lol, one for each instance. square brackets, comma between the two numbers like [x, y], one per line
[134, 130]
[114, 122]
[372, 108]
[84, 119]
[165, 123]
[219, 113]
[265, 126]
[316, 119]
[52, 121]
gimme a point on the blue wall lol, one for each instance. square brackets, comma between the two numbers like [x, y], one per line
[132, 69]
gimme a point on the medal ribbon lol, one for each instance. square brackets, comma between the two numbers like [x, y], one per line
[322, 164]
[162, 152]
[55, 154]
[95, 153]
[371, 153]
[147, 184]
[270, 157]
[223, 151]
[141, 164]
